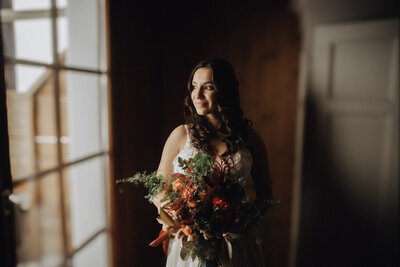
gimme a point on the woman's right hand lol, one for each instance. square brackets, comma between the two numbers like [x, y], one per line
[157, 201]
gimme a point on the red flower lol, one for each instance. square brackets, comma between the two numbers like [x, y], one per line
[220, 203]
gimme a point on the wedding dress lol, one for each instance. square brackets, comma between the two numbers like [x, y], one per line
[244, 250]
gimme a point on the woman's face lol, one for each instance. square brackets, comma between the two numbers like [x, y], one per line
[204, 94]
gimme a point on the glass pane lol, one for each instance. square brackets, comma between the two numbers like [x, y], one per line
[32, 124]
[86, 34]
[61, 3]
[19, 5]
[86, 194]
[83, 119]
[62, 37]
[39, 222]
[28, 77]
[33, 40]
[94, 254]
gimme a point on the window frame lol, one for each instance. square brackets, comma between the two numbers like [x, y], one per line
[8, 16]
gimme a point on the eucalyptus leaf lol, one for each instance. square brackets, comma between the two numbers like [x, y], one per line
[185, 253]
[181, 162]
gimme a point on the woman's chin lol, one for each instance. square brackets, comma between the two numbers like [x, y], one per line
[201, 112]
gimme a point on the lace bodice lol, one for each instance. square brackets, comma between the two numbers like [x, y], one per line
[239, 163]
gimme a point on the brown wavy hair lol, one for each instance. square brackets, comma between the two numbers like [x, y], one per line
[230, 115]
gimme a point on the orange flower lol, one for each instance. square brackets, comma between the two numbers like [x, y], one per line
[191, 204]
[177, 184]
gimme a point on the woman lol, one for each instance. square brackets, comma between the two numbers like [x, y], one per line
[215, 124]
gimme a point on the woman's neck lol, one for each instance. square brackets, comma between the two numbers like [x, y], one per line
[213, 120]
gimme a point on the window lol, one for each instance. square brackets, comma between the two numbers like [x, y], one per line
[56, 78]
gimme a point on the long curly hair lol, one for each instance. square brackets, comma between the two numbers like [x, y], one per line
[232, 124]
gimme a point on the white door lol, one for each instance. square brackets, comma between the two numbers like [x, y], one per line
[354, 90]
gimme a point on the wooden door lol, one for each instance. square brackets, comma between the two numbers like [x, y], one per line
[350, 183]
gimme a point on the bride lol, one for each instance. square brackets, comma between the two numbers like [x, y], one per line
[215, 124]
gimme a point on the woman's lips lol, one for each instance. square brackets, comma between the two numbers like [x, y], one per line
[200, 104]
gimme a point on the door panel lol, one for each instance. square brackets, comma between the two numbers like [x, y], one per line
[350, 182]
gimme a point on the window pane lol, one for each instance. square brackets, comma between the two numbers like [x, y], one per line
[28, 77]
[33, 40]
[86, 34]
[19, 5]
[38, 222]
[32, 124]
[83, 121]
[86, 186]
[61, 3]
[62, 36]
[94, 254]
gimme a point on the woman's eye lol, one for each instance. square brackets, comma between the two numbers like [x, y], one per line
[209, 87]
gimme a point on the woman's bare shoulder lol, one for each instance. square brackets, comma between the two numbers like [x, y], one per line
[175, 142]
[178, 136]
[179, 132]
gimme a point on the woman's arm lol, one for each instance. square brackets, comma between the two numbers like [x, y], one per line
[173, 145]
[260, 167]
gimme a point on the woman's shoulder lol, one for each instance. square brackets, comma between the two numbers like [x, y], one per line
[179, 132]
[179, 135]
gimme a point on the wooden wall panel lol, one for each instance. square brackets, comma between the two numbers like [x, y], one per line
[153, 49]
[136, 144]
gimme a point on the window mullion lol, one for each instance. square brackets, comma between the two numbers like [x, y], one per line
[8, 15]
[58, 126]
[61, 167]
[13, 61]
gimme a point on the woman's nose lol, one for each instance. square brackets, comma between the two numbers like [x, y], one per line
[199, 93]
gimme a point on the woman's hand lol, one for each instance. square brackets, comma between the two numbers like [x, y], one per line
[157, 201]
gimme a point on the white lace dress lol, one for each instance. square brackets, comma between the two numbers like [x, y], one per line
[245, 252]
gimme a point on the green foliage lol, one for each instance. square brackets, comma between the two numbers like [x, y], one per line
[202, 165]
[152, 182]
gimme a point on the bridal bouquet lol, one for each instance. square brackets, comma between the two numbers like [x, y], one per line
[203, 205]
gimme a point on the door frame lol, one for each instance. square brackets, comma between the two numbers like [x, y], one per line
[7, 226]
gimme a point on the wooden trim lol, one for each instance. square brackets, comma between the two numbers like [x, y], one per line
[7, 227]
[298, 159]
[112, 221]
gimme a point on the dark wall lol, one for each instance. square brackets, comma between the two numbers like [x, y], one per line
[135, 58]
[153, 49]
